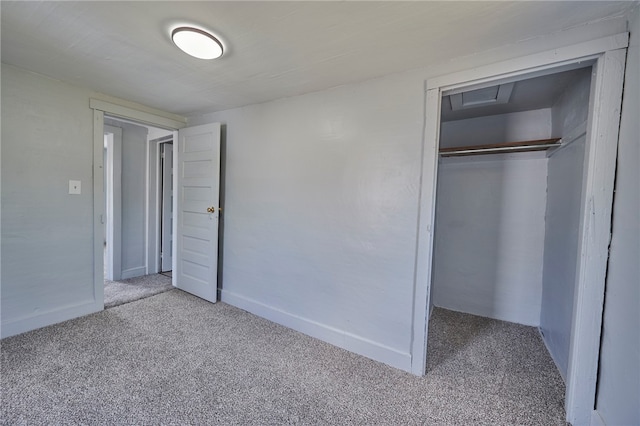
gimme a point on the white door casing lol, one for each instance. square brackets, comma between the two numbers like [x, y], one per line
[154, 202]
[197, 183]
[167, 207]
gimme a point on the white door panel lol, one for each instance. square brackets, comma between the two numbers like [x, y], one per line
[198, 185]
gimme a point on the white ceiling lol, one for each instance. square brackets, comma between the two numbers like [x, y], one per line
[273, 49]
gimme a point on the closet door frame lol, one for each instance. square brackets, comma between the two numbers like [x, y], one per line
[608, 57]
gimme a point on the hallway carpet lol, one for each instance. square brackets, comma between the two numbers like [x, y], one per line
[174, 359]
[132, 289]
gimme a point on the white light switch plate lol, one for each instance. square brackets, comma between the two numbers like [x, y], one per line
[75, 187]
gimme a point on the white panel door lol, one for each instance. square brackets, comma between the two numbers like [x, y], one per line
[197, 212]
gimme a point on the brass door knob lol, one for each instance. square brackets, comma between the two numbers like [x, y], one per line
[211, 209]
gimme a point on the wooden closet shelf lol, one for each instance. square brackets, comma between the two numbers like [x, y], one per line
[525, 146]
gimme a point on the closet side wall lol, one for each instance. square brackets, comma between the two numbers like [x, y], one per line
[564, 183]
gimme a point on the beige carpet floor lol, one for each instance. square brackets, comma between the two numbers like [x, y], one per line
[132, 289]
[174, 359]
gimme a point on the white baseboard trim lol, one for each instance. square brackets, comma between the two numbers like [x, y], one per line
[12, 327]
[596, 419]
[334, 336]
[133, 272]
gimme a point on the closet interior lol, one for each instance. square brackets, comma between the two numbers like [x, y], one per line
[510, 179]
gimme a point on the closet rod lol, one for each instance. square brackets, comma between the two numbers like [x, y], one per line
[537, 145]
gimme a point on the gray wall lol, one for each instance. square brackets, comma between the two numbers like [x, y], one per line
[489, 235]
[570, 110]
[134, 196]
[47, 234]
[564, 188]
[514, 127]
[321, 209]
[619, 374]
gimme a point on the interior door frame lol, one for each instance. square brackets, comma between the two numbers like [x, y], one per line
[153, 224]
[166, 207]
[597, 198]
[128, 111]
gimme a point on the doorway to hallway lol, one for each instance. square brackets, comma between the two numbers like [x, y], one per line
[138, 222]
[196, 209]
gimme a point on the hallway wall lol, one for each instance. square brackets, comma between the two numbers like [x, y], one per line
[134, 196]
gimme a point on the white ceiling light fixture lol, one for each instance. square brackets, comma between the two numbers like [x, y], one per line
[197, 43]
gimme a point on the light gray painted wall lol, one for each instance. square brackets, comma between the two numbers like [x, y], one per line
[321, 211]
[155, 133]
[619, 374]
[564, 188]
[134, 195]
[570, 110]
[321, 197]
[47, 234]
[489, 235]
[514, 127]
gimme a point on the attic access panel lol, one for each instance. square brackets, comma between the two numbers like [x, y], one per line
[494, 95]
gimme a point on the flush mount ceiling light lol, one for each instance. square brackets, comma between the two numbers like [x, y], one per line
[197, 43]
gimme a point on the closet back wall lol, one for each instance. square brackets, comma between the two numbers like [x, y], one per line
[489, 234]
[513, 127]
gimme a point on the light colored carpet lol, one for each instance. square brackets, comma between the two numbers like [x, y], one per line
[125, 291]
[175, 359]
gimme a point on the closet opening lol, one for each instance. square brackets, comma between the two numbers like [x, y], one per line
[514, 184]
[507, 223]
[508, 204]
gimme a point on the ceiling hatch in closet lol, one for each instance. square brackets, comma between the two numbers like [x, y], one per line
[494, 95]
[471, 118]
